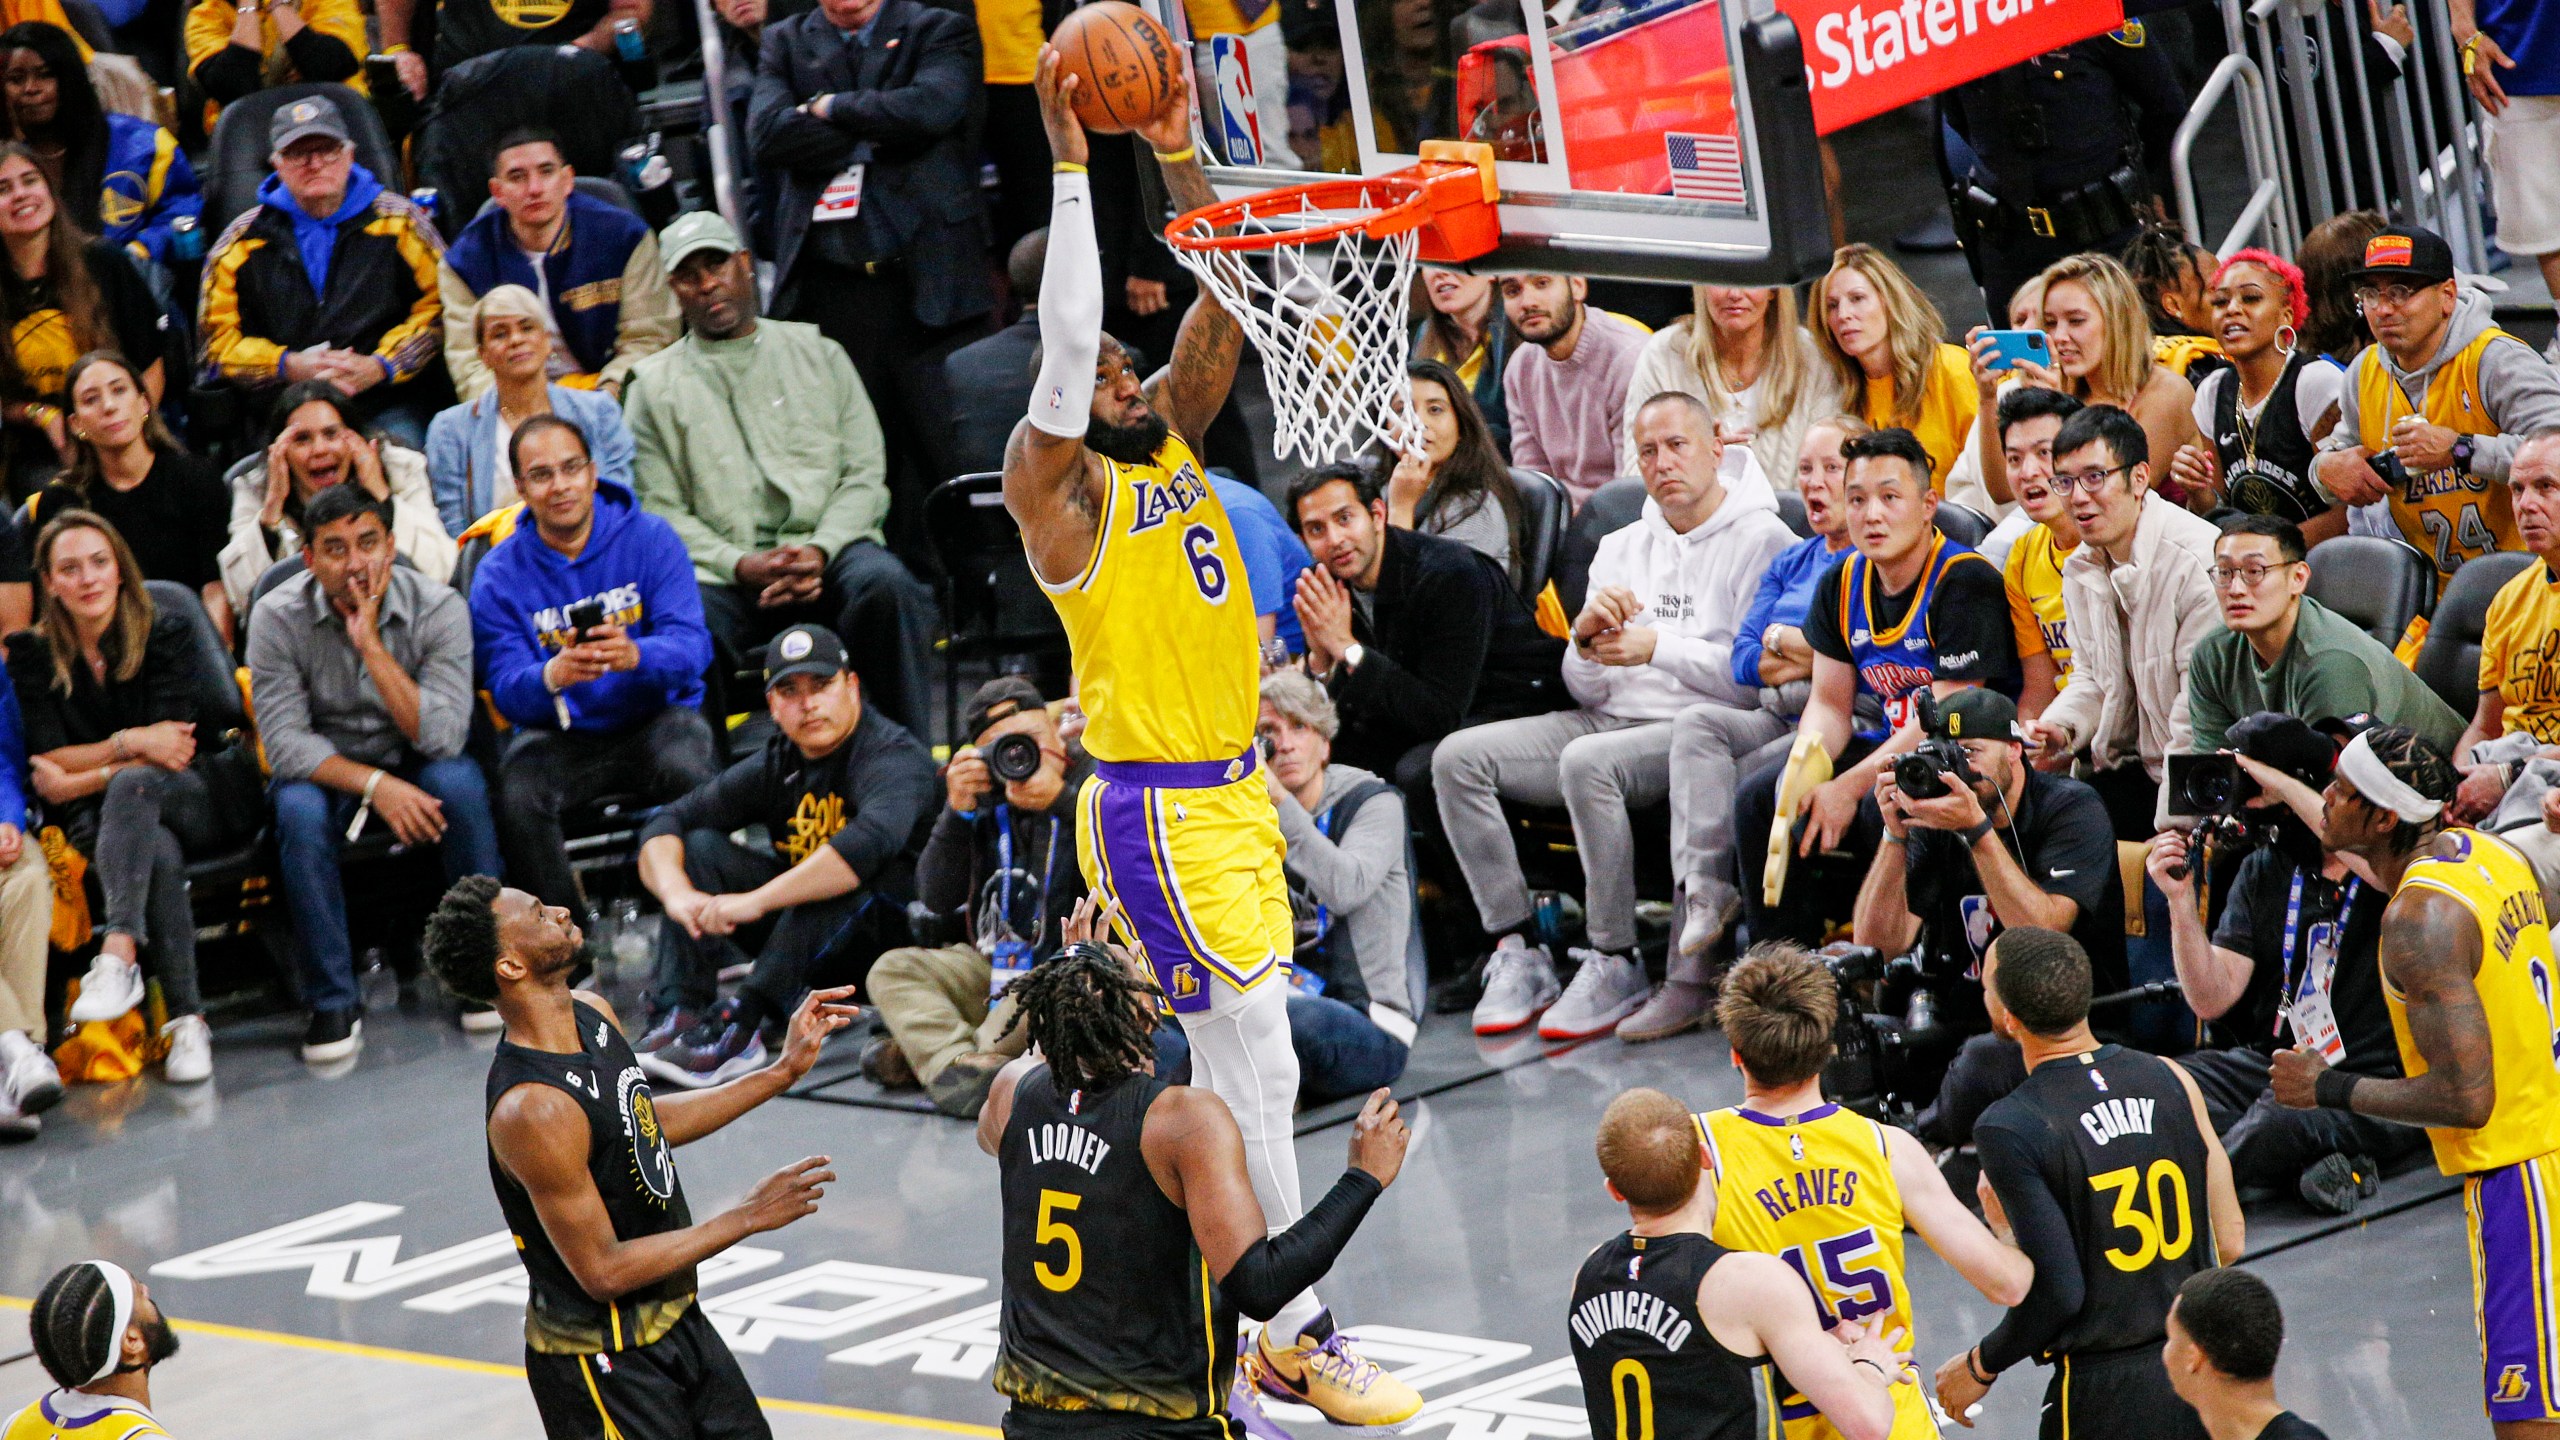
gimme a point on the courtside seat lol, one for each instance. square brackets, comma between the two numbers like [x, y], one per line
[2379, 584]
[2449, 660]
[1546, 513]
[237, 163]
[1962, 524]
[1791, 510]
[1613, 506]
[992, 606]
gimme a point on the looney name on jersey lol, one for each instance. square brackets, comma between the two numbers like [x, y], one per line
[2109, 1119]
[1630, 1310]
[1828, 1185]
[1153, 501]
[621, 607]
[1068, 1145]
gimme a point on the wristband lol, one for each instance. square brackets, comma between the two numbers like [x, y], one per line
[364, 806]
[1973, 833]
[122, 752]
[1065, 167]
[2335, 1090]
[1870, 1364]
[1176, 157]
[1973, 1367]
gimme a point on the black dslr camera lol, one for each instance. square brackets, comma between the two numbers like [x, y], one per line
[2216, 791]
[1937, 766]
[1892, 1038]
[1014, 758]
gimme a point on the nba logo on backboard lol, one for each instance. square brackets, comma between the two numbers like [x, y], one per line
[1240, 130]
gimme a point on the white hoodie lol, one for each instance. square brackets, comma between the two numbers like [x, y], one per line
[1695, 588]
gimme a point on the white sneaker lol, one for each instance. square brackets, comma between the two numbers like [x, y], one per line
[1607, 989]
[190, 1059]
[27, 1074]
[112, 988]
[1519, 984]
[15, 1124]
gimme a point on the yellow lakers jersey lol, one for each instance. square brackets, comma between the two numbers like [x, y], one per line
[2516, 980]
[2450, 515]
[2033, 573]
[118, 1420]
[1818, 1193]
[1161, 621]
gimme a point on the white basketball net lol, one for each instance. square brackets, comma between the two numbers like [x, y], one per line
[1328, 318]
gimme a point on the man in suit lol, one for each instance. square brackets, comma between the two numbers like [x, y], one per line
[863, 124]
[989, 380]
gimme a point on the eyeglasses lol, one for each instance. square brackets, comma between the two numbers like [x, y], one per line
[2092, 481]
[565, 470]
[2394, 296]
[2250, 576]
[309, 157]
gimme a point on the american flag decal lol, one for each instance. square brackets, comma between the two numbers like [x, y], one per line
[1706, 167]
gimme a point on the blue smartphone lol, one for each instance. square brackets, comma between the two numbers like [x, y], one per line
[2008, 347]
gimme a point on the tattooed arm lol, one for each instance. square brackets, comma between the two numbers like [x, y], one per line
[2431, 949]
[1193, 386]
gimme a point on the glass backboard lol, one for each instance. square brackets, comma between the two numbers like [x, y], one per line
[1644, 139]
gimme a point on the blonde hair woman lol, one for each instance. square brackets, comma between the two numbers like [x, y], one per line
[1882, 337]
[2100, 338]
[1746, 357]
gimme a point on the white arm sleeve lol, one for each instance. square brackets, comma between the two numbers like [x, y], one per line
[1070, 311]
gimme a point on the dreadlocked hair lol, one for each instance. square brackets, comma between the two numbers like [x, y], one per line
[1091, 1017]
[2418, 765]
[461, 944]
[73, 1325]
[2159, 259]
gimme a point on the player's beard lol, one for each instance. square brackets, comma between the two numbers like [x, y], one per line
[1128, 444]
[159, 1341]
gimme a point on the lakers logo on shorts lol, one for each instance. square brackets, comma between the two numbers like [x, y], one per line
[529, 14]
[1186, 982]
[2510, 1386]
[651, 1165]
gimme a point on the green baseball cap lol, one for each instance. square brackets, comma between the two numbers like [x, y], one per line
[694, 231]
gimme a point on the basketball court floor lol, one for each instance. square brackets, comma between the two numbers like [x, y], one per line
[333, 1254]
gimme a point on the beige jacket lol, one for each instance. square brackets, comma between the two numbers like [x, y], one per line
[416, 532]
[2132, 628]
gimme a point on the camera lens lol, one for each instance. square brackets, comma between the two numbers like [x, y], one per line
[2209, 791]
[1919, 777]
[1014, 757]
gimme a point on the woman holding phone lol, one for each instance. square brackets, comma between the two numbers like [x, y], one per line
[2263, 418]
[2101, 355]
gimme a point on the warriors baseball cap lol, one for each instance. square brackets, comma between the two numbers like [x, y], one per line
[695, 231]
[999, 699]
[302, 119]
[803, 650]
[2410, 254]
[1976, 714]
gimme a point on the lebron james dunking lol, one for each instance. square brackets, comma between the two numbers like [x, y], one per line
[1175, 828]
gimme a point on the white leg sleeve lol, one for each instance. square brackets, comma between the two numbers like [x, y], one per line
[1070, 311]
[1240, 1052]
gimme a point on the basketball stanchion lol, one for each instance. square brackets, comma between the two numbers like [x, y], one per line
[1317, 275]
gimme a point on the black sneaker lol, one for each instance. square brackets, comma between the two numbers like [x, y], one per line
[714, 1052]
[886, 1064]
[334, 1035]
[2336, 1183]
[1458, 994]
[960, 1091]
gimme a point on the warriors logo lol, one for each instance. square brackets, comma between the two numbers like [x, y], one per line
[651, 1165]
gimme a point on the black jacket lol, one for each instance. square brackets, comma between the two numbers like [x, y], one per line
[1446, 642]
[990, 385]
[910, 117]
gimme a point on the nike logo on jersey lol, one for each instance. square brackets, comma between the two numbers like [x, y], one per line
[2058, 874]
[2109, 1119]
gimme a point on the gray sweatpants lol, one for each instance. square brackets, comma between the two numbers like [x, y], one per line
[1596, 767]
[1711, 746]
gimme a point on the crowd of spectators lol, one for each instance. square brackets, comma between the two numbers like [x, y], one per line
[510, 509]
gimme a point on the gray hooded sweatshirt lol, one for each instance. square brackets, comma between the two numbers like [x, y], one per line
[2520, 387]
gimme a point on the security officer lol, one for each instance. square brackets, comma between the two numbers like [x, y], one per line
[2069, 149]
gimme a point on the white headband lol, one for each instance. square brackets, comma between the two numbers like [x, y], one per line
[120, 1290]
[2363, 769]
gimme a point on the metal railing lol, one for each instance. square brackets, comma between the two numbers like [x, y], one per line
[2349, 137]
[715, 130]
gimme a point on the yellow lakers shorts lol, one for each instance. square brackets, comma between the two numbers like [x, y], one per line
[1190, 853]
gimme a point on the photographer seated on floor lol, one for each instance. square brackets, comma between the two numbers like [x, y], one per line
[1977, 841]
[1358, 966]
[999, 869]
[2295, 957]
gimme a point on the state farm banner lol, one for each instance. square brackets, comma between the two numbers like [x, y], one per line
[1864, 57]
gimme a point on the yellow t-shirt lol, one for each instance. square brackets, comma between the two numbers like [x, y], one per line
[1009, 33]
[1160, 622]
[2033, 576]
[2516, 980]
[1948, 399]
[2520, 652]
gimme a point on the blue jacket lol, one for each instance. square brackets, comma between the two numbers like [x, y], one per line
[635, 565]
[462, 450]
[1273, 555]
[148, 184]
[1785, 597]
[13, 756]
[585, 266]
[317, 240]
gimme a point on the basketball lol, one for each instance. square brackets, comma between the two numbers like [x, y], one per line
[1124, 61]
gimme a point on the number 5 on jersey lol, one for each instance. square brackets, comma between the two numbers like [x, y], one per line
[1051, 1230]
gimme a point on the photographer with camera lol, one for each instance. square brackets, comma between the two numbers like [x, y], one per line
[2295, 957]
[588, 628]
[1000, 873]
[1978, 842]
